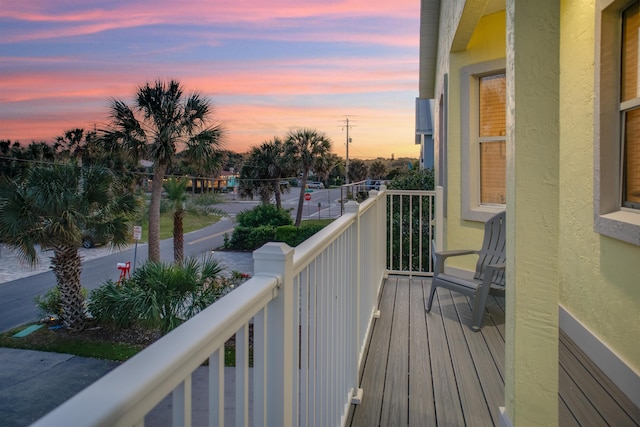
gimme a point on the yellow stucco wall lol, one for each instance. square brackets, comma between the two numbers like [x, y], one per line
[600, 276]
[486, 44]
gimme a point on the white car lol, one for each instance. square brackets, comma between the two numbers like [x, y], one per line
[315, 185]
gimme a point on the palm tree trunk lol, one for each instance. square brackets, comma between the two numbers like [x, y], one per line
[278, 195]
[303, 184]
[67, 265]
[154, 212]
[178, 236]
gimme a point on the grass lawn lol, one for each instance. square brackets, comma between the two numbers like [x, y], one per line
[191, 222]
[96, 343]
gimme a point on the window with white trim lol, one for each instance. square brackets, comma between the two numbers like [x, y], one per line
[483, 104]
[617, 130]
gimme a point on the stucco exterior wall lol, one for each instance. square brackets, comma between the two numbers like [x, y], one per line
[600, 276]
[487, 43]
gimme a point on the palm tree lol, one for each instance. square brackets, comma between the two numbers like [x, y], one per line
[377, 169]
[176, 190]
[357, 170]
[263, 170]
[51, 206]
[162, 124]
[305, 148]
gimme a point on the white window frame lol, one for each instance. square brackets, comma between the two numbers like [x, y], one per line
[472, 208]
[610, 218]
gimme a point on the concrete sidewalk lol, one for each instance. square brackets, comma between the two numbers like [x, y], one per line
[33, 383]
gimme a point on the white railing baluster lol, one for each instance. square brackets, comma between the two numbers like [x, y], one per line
[305, 327]
[312, 397]
[181, 403]
[216, 388]
[242, 376]
[295, 349]
[260, 366]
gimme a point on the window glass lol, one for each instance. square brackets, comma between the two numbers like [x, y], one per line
[630, 21]
[492, 139]
[631, 165]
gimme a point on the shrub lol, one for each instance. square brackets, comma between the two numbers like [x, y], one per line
[293, 236]
[161, 295]
[263, 215]
[50, 304]
[250, 238]
[257, 226]
[414, 179]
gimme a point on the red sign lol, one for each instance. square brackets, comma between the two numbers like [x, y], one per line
[307, 197]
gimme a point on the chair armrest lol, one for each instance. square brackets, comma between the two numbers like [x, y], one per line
[497, 267]
[490, 270]
[440, 257]
[456, 252]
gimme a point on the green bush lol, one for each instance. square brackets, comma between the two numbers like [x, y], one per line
[250, 238]
[50, 304]
[160, 295]
[413, 179]
[293, 236]
[405, 216]
[287, 233]
[263, 215]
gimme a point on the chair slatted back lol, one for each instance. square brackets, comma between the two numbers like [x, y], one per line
[493, 247]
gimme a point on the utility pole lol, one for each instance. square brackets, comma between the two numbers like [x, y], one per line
[346, 163]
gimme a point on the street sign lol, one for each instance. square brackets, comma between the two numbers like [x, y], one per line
[137, 232]
[307, 197]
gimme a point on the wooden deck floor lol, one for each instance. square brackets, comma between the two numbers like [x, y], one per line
[431, 370]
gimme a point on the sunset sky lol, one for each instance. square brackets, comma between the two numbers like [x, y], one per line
[268, 66]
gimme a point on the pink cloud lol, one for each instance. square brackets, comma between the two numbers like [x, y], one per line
[268, 14]
[255, 99]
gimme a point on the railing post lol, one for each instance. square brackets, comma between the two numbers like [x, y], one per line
[356, 266]
[276, 259]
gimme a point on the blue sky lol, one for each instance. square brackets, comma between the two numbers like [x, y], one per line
[268, 66]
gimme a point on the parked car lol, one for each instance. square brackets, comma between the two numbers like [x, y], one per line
[89, 240]
[315, 185]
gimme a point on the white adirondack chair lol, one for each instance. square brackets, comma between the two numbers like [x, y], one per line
[489, 275]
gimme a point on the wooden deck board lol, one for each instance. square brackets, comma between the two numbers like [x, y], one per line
[447, 401]
[421, 401]
[614, 407]
[368, 412]
[486, 366]
[445, 374]
[474, 406]
[395, 406]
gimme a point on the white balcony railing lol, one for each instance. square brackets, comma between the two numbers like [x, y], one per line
[311, 309]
